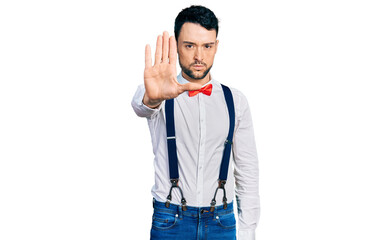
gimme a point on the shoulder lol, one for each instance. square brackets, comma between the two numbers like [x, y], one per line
[240, 101]
[238, 97]
[237, 94]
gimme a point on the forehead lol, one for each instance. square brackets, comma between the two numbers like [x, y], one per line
[195, 33]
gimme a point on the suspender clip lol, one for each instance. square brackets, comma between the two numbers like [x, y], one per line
[213, 205]
[174, 184]
[183, 201]
[167, 204]
[224, 200]
[221, 185]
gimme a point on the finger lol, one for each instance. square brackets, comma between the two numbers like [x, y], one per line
[189, 87]
[148, 58]
[158, 51]
[173, 51]
[165, 47]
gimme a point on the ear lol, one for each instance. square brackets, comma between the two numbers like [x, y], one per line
[216, 45]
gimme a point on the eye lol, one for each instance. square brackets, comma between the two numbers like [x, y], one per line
[208, 46]
[189, 46]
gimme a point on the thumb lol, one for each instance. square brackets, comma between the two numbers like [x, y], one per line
[189, 87]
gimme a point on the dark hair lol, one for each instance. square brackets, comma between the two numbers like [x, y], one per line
[196, 14]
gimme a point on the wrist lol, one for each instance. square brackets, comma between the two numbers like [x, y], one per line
[150, 103]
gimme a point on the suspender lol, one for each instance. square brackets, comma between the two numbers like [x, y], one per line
[228, 142]
[171, 143]
[172, 155]
[173, 158]
[227, 149]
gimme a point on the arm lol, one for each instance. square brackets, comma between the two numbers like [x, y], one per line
[246, 172]
[139, 107]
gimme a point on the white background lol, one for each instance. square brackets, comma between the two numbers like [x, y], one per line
[77, 163]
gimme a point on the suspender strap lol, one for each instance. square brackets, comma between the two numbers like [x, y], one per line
[228, 142]
[172, 154]
[227, 149]
[171, 142]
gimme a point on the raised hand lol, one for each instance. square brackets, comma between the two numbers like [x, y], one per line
[160, 79]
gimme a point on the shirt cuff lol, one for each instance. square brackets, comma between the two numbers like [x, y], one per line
[140, 108]
[246, 235]
[147, 111]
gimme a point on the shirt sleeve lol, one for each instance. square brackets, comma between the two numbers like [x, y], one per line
[246, 171]
[138, 106]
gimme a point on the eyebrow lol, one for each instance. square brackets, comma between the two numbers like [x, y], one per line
[209, 43]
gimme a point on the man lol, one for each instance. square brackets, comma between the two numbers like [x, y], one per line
[193, 120]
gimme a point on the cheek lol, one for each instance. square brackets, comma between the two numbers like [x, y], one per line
[210, 54]
[209, 58]
[185, 58]
[182, 60]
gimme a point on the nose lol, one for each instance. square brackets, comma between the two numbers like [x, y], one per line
[198, 56]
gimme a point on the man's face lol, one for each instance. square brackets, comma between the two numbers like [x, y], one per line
[197, 47]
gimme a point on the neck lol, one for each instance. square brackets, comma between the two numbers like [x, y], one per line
[202, 81]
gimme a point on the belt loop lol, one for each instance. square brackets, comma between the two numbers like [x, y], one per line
[180, 214]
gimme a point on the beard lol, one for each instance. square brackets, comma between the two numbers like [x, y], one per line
[194, 75]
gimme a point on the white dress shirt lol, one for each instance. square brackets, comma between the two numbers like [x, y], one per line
[201, 127]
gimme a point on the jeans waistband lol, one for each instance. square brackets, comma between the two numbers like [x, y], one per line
[192, 211]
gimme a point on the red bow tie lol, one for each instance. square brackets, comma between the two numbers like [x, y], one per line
[205, 90]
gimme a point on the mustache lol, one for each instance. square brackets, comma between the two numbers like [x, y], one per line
[198, 63]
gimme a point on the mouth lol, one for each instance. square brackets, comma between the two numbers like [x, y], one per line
[198, 67]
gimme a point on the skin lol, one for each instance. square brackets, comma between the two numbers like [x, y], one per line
[196, 46]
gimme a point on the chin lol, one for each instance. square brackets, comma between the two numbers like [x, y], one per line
[199, 76]
[196, 75]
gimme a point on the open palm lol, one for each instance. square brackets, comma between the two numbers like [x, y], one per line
[160, 79]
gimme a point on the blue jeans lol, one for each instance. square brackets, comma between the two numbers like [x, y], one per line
[196, 223]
